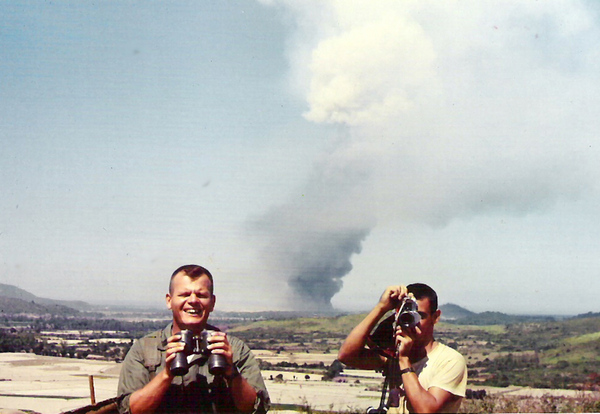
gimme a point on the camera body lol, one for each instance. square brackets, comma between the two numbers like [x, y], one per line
[408, 315]
[197, 345]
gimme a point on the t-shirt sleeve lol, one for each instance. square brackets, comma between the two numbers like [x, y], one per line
[452, 375]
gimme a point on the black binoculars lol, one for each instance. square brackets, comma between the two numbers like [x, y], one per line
[197, 345]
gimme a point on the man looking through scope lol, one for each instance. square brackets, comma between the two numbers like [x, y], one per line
[423, 375]
[190, 366]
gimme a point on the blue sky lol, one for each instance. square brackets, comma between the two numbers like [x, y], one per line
[308, 153]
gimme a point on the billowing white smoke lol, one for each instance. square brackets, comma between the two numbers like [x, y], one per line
[452, 109]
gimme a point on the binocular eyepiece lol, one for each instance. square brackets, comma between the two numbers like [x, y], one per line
[194, 344]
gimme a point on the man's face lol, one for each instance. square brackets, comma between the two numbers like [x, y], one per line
[191, 301]
[428, 320]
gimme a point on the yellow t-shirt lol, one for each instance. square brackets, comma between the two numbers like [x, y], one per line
[444, 368]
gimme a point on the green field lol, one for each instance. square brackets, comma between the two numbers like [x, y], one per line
[545, 354]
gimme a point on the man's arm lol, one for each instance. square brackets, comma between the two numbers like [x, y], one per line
[432, 400]
[353, 351]
[243, 393]
[147, 399]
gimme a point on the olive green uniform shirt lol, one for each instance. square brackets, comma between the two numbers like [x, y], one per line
[196, 392]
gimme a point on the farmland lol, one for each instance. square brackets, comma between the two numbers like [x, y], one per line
[531, 365]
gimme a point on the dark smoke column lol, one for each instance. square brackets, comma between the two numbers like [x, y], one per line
[320, 267]
[309, 243]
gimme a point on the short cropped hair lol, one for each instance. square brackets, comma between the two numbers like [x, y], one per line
[193, 272]
[422, 291]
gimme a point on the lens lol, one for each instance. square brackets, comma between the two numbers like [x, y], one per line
[217, 364]
[179, 366]
[407, 319]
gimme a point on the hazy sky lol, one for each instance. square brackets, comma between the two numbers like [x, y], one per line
[309, 153]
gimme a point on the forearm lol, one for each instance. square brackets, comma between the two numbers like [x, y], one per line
[421, 399]
[244, 395]
[353, 352]
[147, 399]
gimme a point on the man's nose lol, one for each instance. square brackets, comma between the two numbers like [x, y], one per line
[193, 298]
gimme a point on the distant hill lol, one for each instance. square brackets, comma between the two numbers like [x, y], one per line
[12, 306]
[499, 318]
[16, 300]
[273, 315]
[450, 311]
[308, 326]
[588, 315]
[13, 292]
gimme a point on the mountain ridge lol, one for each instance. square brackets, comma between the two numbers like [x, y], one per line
[16, 300]
[14, 292]
[14, 306]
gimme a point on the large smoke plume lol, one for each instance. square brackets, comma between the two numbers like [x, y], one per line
[451, 110]
[309, 241]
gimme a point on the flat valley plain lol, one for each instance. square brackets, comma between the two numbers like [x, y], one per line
[527, 366]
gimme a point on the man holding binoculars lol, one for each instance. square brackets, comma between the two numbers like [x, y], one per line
[423, 375]
[190, 366]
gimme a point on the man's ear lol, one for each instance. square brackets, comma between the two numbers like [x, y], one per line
[213, 302]
[436, 316]
[168, 300]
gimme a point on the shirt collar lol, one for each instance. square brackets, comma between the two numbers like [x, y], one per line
[164, 336]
